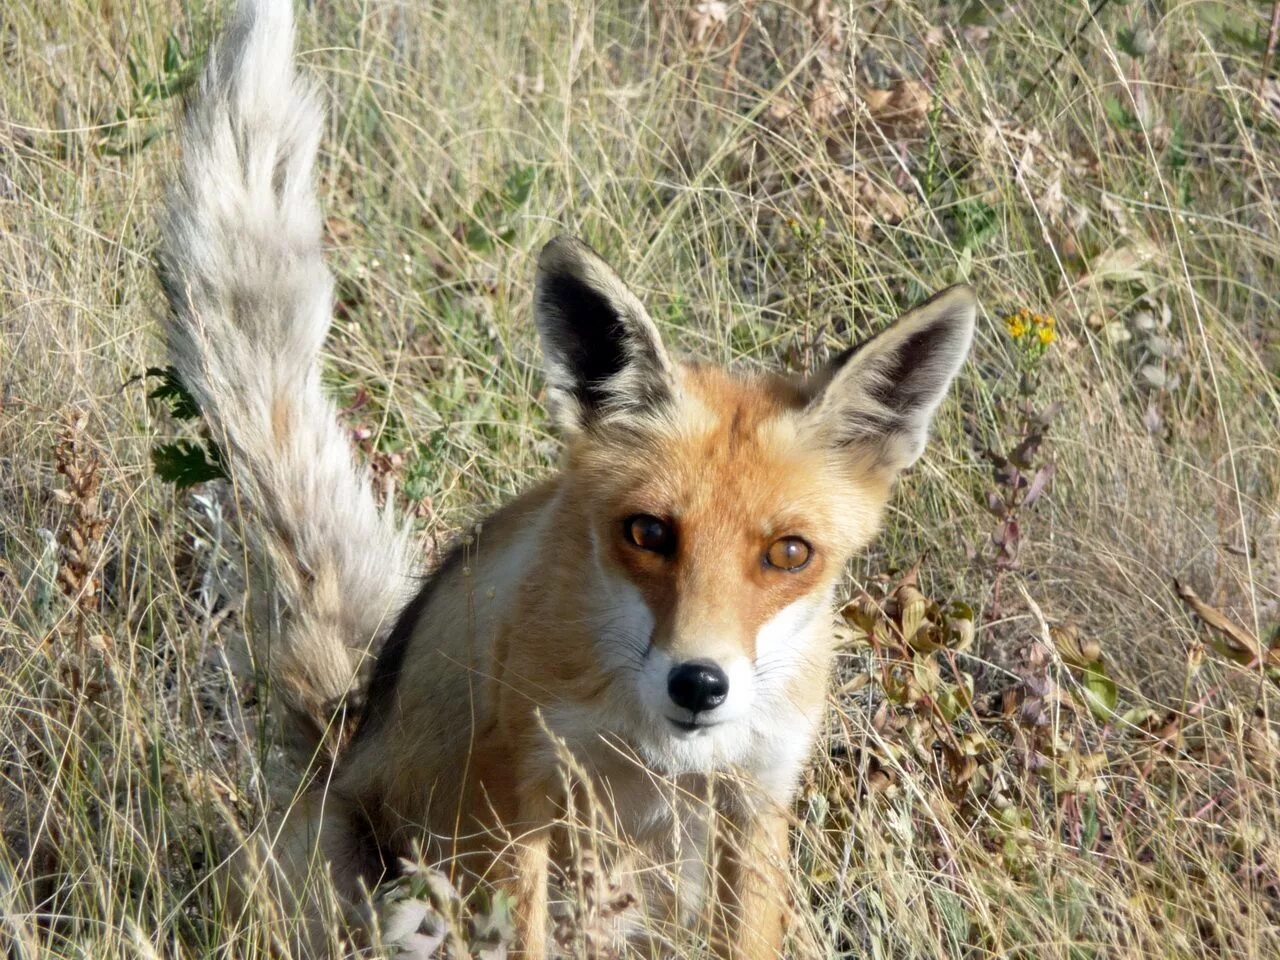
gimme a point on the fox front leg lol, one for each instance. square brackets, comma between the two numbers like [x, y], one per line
[537, 813]
[751, 886]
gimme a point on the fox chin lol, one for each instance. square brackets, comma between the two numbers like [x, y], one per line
[655, 616]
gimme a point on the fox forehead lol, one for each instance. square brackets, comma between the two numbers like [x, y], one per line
[731, 458]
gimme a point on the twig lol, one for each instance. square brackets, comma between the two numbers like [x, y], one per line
[1273, 35]
[748, 18]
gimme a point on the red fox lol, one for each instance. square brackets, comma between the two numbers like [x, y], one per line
[659, 607]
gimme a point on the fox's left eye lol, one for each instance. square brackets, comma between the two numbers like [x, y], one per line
[789, 554]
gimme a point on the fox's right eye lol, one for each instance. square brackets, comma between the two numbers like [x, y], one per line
[649, 533]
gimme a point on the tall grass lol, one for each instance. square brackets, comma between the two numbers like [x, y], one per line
[776, 181]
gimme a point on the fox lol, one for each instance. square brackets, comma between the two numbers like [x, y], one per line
[659, 609]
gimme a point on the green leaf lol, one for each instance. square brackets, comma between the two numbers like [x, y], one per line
[172, 54]
[1249, 40]
[174, 392]
[1120, 115]
[495, 921]
[1234, 25]
[1100, 692]
[478, 237]
[1137, 42]
[186, 463]
[1090, 827]
[957, 699]
[976, 221]
[518, 185]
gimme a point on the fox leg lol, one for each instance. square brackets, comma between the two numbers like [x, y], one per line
[531, 866]
[751, 886]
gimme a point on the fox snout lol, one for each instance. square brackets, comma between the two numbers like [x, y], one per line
[697, 691]
[697, 686]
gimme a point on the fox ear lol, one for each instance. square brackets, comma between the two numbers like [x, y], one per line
[604, 358]
[879, 397]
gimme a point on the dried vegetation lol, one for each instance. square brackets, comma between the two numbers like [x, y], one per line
[1054, 732]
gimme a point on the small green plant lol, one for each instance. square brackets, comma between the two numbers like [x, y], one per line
[492, 219]
[976, 222]
[184, 463]
[804, 261]
[1121, 117]
[145, 119]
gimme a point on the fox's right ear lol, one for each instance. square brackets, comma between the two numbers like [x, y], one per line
[603, 356]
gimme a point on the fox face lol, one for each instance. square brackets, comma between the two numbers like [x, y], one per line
[717, 533]
[719, 509]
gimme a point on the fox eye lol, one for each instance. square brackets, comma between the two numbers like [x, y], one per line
[649, 533]
[789, 554]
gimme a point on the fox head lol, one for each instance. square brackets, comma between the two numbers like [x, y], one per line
[719, 509]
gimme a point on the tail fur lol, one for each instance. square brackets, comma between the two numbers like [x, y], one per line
[242, 266]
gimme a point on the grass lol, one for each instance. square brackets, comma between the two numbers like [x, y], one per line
[1093, 773]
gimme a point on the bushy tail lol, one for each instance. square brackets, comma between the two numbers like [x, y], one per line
[242, 266]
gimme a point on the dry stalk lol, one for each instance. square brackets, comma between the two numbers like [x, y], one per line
[81, 537]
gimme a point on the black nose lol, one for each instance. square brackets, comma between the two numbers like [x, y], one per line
[697, 686]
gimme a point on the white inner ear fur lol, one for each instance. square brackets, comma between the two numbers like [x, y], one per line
[884, 396]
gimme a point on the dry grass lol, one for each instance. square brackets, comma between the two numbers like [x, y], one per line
[776, 183]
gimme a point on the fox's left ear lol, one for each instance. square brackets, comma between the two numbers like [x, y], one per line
[603, 356]
[879, 397]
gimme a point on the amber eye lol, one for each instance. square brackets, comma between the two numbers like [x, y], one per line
[788, 553]
[649, 533]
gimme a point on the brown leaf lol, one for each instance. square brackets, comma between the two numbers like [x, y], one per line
[827, 99]
[705, 22]
[1241, 645]
[340, 229]
[1073, 648]
[901, 111]
[1039, 483]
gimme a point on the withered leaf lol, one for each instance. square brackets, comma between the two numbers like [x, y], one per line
[1239, 644]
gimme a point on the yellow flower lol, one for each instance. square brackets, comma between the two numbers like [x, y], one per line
[1017, 326]
[1046, 334]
